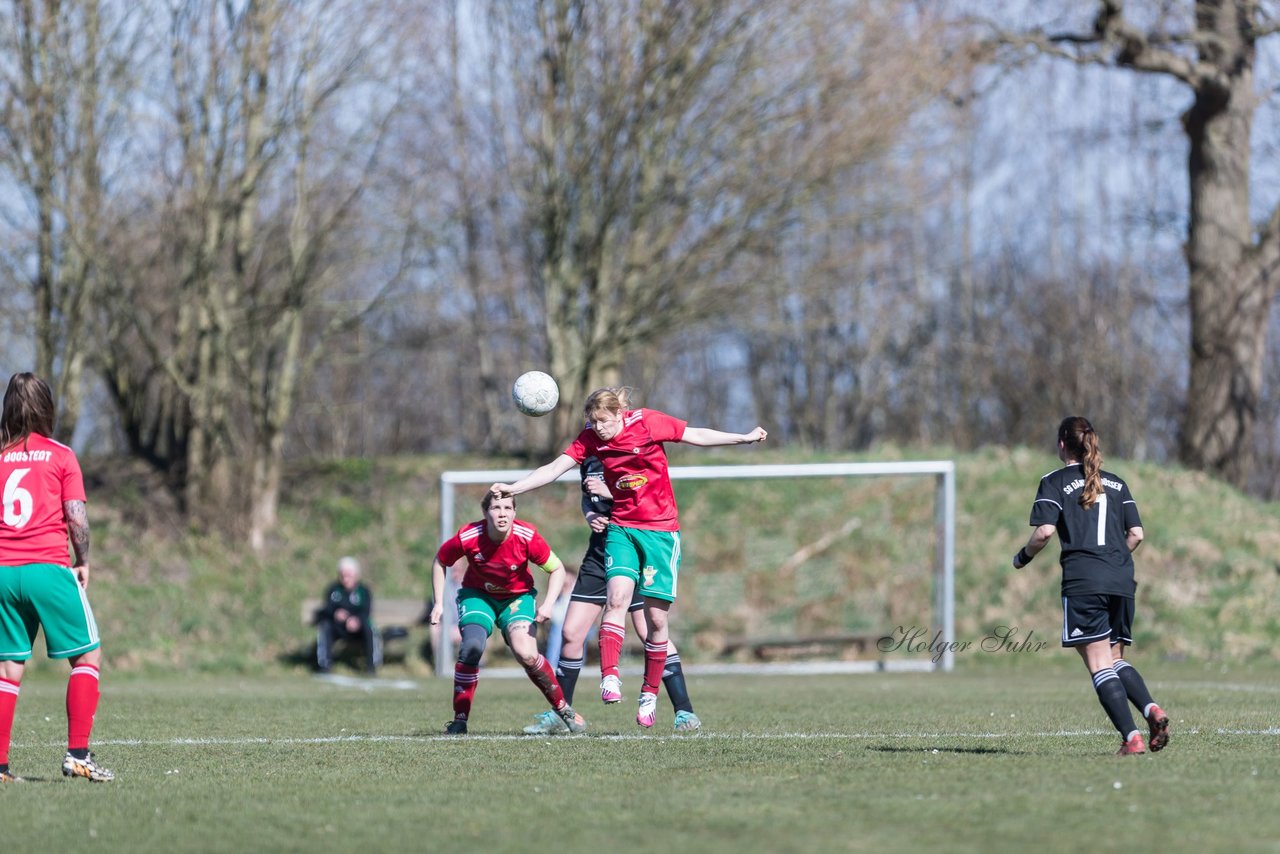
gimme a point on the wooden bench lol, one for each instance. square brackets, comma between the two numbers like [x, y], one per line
[397, 622]
[844, 646]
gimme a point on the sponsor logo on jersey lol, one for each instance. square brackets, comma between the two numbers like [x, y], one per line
[632, 481]
[490, 587]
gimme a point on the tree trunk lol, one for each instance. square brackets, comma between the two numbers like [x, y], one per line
[1231, 281]
[1229, 291]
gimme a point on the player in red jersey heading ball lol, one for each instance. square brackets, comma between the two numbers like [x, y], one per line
[642, 543]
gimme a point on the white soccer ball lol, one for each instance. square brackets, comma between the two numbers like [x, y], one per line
[535, 393]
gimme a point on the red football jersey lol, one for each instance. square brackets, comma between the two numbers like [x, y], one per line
[499, 569]
[635, 468]
[37, 476]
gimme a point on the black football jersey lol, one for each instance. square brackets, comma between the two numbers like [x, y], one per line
[1095, 557]
[591, 503]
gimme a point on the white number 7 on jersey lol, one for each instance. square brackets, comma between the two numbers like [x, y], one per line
[1102, 518]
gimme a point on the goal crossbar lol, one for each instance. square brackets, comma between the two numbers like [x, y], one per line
[945, 519]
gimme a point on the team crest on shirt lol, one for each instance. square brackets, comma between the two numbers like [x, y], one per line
[649, 573]
[632, 481]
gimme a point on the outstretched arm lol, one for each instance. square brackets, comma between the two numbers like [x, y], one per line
[705, 437]
[538, 477]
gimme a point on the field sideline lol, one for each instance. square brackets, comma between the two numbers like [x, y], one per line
[986, 758]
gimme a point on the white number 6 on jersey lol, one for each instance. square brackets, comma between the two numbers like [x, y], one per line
[14, 494]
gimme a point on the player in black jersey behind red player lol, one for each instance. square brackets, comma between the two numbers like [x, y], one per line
[1097, 522]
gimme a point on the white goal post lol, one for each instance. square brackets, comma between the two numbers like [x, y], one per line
[944, 516]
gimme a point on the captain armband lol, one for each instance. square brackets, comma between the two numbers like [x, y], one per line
[553, 563]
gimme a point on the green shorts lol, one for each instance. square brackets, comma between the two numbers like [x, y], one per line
[649, 558]
[37, 595]
[477, 608]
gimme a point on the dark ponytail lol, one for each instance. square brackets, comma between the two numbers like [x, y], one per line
[28, 408]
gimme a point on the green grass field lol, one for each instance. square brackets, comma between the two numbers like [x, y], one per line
[990, 757]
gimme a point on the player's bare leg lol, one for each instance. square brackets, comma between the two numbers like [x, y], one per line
[578, 620]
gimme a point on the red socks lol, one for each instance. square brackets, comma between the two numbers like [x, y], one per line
[655, 659]
[611, 637]
[465, 677]
[544, 677]
[82, 705]
[8, 703]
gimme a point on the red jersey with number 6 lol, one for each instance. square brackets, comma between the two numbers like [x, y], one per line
[635, 468]
[37, 475]
[499, 569]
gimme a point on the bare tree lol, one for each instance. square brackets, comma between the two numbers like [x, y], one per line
[663, 144]
[62, 83]
[849, 317]
[1211, 47]
[218, 309]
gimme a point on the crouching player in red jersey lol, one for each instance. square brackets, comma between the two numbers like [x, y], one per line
[44, 502]
[498, 590]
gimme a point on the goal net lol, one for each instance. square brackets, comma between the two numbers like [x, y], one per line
[821, 567]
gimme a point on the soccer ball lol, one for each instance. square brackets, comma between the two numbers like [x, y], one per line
[535, 393]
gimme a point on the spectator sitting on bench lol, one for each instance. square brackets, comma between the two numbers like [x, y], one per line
[344, 614]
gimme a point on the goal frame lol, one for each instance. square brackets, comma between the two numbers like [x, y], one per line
[943, 471]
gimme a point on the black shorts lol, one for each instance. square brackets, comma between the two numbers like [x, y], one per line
[591, 585]
[1092, 617]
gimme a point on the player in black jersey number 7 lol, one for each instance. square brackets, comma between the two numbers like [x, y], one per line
[1097, 521]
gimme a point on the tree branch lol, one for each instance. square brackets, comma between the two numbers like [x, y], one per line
[1114, 41]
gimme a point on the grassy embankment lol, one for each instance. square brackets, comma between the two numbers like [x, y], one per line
[1209, 572]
